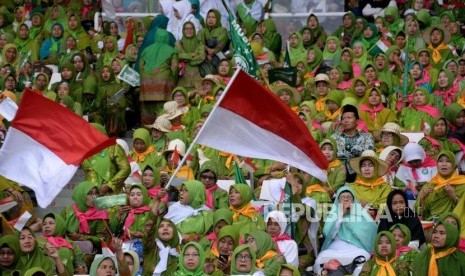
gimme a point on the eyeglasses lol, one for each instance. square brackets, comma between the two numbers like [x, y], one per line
[346, 197]
[243, 257]
[7, 253]
[207, 177]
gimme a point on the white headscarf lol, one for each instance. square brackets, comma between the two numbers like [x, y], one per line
[280, 217]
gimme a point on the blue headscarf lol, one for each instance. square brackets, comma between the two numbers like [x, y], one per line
[53, 44]
[357, 227]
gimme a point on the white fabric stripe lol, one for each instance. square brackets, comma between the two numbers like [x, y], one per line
[230, 132]
[24, 160]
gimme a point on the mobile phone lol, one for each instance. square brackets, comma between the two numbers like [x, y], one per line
[224, 258]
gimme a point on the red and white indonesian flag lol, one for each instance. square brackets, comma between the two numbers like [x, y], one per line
[251, 121]
[45, 145]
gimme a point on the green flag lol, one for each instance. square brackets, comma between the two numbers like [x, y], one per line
[243, 55]
[287, 210]
[287, 75]
[239, 177]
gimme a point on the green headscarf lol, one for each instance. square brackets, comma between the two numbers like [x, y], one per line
[12, 242]
[80, 194]
[239, 249]
[370, 41]
[156, 174]
[97, 261]
[156, 54]
[229, 231]
[143, 134]
[245, 191]
[174, 242]
[190, 45]
[34, 270]
[450, 79]
[182, 270]
[209, 166]
[181, 89]
[452, 111]
[405, 230]
[318, 57]
[145, 196]
[196, 190]
[263, 241]
[392, 240]
[222, 214]
[295, 271]
[60, 226]
[36, 258]
[455, 217]
[297, 53]
[333, 56]
[335, 96]
[451, 158]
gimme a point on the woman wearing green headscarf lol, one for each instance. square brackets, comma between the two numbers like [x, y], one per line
[26, 45]
[438, 139]
[272, 39]
[190, 214]
[143, 152]
[443, 192]
[76, 30]
[158, 67]
[383, 72]
[109, 52]
[191, 260]
[441, 257]
[32, 256]
[314, 59]
[55, 14]
[54, 229]
[9, 246]
[83, 220]
[445, 89]
[161, 257]
[221, 218]
[359, 89]
[404, 253]
[243, 261]
[103, 266]
[318, 32]
[10, 55]
[420, 113]
[68, 74]
[415, 41]
[6, 20]
[385, 261]
[40, 83]
[245, 217]
[107, 169]
[214, 36]
[267, 258]
[191, 54]
[392, 20]
[369, 36]
[361, 56]
[346, 31]
[373, 112]
[454, 219]
[296, 49]
[437, 40]
[36, 31]
[219, 255]
[332, 51]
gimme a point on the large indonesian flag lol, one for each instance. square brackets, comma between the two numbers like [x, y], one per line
[251, 121]
[45, 145]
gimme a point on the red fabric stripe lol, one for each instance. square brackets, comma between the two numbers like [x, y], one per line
[252, 101]
[64, 133]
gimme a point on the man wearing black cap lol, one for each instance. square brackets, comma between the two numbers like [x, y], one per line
[351, 142]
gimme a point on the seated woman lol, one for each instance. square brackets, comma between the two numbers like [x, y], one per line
[438, 139]
[398, 212]
[454, 219]
[83, 221]
[143, 152]
[177, 147]
[54, 229]
[404, 252]
[369, 186]
[151, 181]
[216, 197]
[336, 173]
[220, 255]
[389, 135]
[443, 192]
[243, 262]
[191, 260]
[373, 112]
[103, 266]
[276, 224]
[245, 217]
[32, 256]
[161, 259]
[349, 231]
[419, 115]
[385, 261]
[9, 248]
[442, 257]
[267, 258]
[222, 217]
[192, 218]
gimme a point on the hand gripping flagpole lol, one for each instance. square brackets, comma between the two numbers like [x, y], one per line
[191, 146]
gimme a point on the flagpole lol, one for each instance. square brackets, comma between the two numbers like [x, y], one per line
[191, 146]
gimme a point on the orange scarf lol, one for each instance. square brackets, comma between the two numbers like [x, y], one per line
[140, 157]
[208, 99]
[314, 188]
[440, 182]
[433, 265]
[385, 267]
[333, 116]
[436, 54]
[295, 109]
[334, 164]
[229, 158]
[461, 101]
[248, 210]
[268, 255]
[378, 182]
[215, 252]
[320, 104]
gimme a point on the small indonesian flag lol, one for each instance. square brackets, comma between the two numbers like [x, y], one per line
[106, 251]
[248, 165]
[175, 156]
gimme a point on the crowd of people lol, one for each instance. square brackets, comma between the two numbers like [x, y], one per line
[383, 96]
